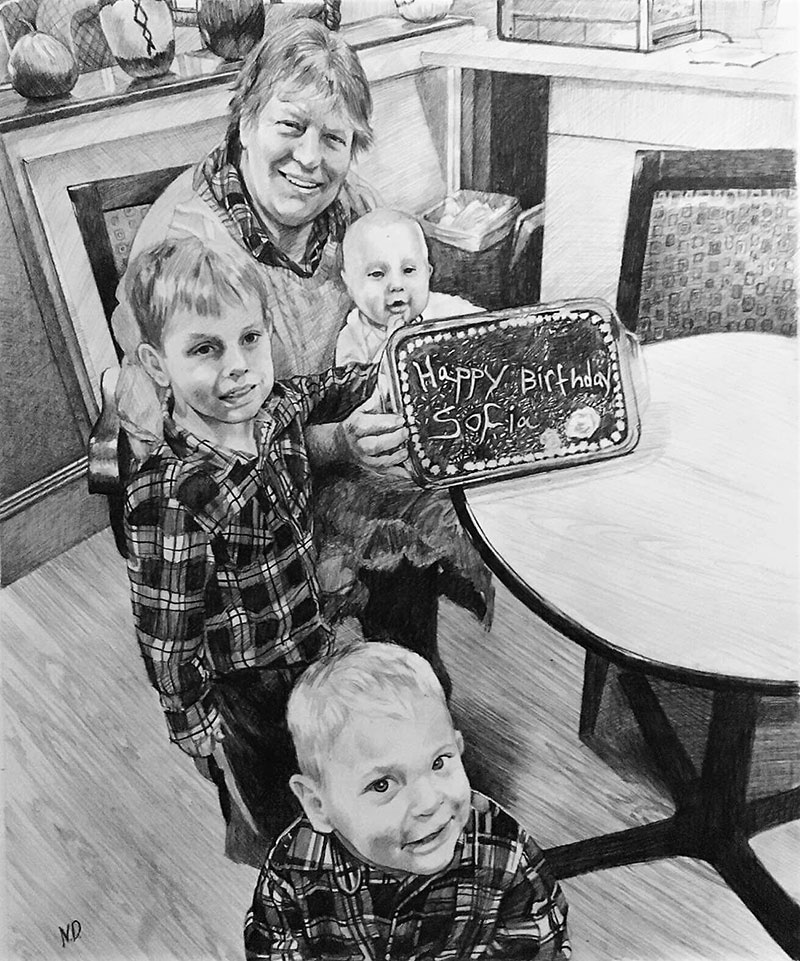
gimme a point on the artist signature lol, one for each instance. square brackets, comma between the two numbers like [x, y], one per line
[70, 932]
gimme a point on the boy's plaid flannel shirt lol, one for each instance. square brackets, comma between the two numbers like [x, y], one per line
[221, 554]
[497, 899]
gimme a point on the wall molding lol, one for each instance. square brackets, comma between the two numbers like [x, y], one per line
[16, 503]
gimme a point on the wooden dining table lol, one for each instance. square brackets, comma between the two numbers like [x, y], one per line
[678, 561]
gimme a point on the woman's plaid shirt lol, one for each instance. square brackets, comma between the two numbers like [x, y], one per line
[221, 551]
[497, 899]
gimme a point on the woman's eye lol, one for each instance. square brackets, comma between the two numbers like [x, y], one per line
[409, 270]
[381, 786]
[202, 350]
[252, 337]
[335, 139]
[291, 125]
[439, 763]
[375, 274]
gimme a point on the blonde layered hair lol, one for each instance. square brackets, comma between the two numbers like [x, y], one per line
[191, 274]
[303, 55]
[363, 678]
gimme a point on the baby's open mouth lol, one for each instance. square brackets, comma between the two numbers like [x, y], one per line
[301, 182]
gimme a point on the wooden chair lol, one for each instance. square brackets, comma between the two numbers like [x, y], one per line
[109, 213]
[709, 247]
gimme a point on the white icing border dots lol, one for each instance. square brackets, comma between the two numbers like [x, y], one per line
[525, 318]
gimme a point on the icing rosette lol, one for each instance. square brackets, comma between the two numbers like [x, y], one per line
[582, 423]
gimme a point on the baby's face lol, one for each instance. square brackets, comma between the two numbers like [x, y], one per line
[387, 271]
[395, 791]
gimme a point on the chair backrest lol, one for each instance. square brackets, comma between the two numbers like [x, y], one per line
[710, 243]
[109, 213]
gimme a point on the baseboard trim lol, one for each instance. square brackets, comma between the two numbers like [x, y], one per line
[31, 495]
[46, 519]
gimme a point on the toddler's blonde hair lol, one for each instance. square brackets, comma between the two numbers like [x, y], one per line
[363, 678]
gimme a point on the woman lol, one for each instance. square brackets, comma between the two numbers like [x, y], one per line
[280, 186]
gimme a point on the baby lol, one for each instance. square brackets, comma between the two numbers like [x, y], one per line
[404, 530]
[395, 856]
[386, 270]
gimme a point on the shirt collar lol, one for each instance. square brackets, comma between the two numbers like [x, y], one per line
[310, 851]
[221, 173]
[386, 329]
[214, 482]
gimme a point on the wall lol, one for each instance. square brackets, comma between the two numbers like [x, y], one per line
[595, 130]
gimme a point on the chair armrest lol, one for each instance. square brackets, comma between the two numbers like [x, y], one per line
[103, 448]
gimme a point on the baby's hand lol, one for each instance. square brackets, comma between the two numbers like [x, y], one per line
[203, 745]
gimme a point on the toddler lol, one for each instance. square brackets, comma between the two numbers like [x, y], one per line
[395, 857]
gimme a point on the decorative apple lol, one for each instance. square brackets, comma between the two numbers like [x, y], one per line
[40, 66]
[231, 28]
[141, 35]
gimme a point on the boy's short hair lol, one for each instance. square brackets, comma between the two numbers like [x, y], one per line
[304, 54]
[363, 678]
[189, 273]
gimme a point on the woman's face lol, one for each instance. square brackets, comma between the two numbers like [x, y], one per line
[295, 156]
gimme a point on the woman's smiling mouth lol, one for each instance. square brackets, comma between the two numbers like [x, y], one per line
[300, 182]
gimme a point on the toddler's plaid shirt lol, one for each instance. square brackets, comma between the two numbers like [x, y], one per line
[497, 899]
[221, 551]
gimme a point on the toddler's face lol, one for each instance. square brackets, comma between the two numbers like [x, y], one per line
[387, 272]
[219, 367]
[395, 790]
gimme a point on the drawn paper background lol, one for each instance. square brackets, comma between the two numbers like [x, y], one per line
[108, 827]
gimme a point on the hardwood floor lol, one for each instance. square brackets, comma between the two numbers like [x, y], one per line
[108, 825]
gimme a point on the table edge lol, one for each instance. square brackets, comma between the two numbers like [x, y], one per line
[587, 639]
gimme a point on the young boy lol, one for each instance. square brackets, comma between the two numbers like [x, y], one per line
[218, 521]
[394, 857]
[386, 270]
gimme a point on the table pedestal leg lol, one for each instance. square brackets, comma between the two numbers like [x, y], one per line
[713, 819]
[595, 670]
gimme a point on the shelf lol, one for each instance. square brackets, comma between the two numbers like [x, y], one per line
[195, 68]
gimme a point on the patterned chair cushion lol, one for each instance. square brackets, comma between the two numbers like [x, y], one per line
[719, 260]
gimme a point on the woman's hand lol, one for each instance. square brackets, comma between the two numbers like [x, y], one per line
[373, 438]
[369, 437]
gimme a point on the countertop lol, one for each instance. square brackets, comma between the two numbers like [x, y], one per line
[670, 67]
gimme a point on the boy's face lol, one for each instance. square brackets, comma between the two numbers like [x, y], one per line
[395, 790]
[386, 272]
[219, 367]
